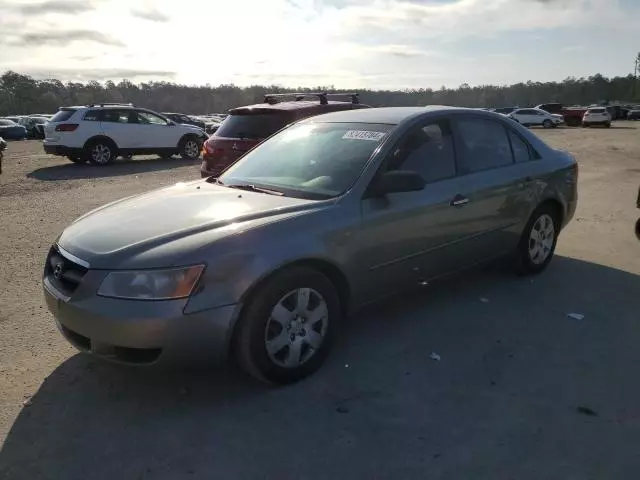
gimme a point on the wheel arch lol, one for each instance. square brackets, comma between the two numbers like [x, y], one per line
[556, 205]
[188, 136]
[102, 138]
[330, 270]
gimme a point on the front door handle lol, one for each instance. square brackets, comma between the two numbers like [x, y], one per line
[459, 201]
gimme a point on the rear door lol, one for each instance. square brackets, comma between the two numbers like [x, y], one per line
[497, 186]
[117, 125]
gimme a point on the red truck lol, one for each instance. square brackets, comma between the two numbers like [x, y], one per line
[572, 115]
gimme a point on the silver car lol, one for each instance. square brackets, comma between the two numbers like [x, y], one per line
[330, 213]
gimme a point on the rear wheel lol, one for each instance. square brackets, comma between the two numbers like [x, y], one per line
[538, 242]
[288, 327]
[100, 152]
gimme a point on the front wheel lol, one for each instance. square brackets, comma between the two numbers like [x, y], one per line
[538, 242]
[547, 124]
[190, 149]
[288, 327]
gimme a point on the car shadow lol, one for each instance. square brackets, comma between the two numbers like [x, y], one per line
[480, 373]
[71, 171]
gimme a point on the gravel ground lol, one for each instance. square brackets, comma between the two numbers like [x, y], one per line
[521, 391]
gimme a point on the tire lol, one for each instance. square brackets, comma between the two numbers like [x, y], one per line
[638, 229]
[608, 125]
[79, 159]
[100, 152]
[290, 357]
[530, 252]
[189, 148]
[547, 123]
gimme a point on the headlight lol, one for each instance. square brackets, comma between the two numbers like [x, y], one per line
[151, 284]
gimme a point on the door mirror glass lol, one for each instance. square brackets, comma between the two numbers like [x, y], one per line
[397, 181]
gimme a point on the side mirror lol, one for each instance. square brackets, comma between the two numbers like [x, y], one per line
[398, 181]
[171, 123]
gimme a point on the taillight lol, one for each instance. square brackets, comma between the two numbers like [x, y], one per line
[66, 127]
[209, 149]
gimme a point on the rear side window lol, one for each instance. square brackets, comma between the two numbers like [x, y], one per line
[116, 116]
[521, 152]
[254, 127]
[92, 116]
[485, 144]
[63, 115]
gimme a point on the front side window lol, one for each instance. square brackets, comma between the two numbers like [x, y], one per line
[313, 161]
[148, 118]
[427, 150]
[485, 144]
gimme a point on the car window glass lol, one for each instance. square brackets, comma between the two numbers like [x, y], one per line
[115, 116]
[520, 148]
[63, 115]
[427, 150]
[485, 144]
[150, 118]
[256, 126]
[92, 116]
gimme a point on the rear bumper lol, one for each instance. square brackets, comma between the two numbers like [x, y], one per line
[61, 150]
[596, 122]
[208, 168]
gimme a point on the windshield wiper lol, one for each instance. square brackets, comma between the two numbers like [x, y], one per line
[253, 188]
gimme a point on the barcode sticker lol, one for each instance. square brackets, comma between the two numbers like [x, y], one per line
[362, 135]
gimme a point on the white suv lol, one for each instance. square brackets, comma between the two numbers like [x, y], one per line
[536, 116]
[99, 133]
[596, 116]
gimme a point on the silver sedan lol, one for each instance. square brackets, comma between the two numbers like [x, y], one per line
[330, 213]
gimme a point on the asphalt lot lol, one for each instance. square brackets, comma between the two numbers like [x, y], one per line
[522, 391]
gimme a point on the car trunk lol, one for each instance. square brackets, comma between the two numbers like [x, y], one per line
[242, 130]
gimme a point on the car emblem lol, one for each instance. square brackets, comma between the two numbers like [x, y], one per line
[58, 271]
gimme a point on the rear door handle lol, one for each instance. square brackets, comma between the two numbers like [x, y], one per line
[459, 201]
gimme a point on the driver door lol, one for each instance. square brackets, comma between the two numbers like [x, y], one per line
[155, 132]
[404, 235]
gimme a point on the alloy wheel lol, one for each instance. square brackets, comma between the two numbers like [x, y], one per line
[100, 154]
[541, 239]
[191, 148]
[296, 328]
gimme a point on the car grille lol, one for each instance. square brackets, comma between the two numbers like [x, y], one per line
[63, 273]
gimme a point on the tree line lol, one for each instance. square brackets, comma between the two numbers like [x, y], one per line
[22, 94]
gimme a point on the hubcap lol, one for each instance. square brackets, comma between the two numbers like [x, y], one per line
[296, 328]
[191, 148]
[101, 153]
[541, 239]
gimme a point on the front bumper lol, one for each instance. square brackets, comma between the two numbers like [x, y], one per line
[61, 150]
[141, 332]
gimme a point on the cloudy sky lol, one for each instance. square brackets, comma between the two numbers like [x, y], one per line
[346, 43]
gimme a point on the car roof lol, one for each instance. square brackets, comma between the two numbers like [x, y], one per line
[288, 106]
[386, 115]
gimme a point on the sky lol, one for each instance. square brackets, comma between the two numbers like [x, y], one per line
[377, 44]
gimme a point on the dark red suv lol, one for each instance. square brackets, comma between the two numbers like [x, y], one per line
[246, 127]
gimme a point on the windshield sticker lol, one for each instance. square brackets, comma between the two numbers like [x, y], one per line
[363, 135]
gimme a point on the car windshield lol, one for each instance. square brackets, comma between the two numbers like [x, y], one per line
[315, 161]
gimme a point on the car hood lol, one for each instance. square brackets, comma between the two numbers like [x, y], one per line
[171, 222]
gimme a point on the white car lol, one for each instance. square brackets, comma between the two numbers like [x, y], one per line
[536, 117]
[101, 132]
[596, 116]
